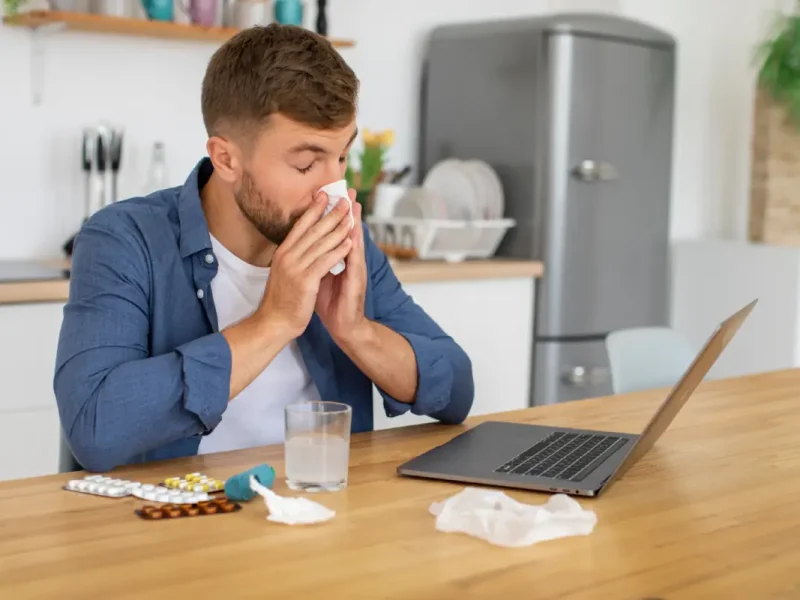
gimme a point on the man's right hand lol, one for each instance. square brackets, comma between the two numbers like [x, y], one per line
[312, 248]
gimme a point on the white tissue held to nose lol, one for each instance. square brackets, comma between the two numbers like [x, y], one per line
[291, 511]
[336, 191]
[500, 520]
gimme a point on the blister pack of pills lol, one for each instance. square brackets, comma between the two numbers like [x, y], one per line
[158, 493]
[98, 485]
[217, 506]
[195, 482]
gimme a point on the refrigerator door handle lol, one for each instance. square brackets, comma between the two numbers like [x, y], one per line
[591, 170]
[583, 376]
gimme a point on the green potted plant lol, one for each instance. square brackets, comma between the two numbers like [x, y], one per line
[779, 63]
[774, 211]
[11, 7]
[371, 165]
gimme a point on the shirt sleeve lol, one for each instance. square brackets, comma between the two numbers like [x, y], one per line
[445, 388]
[114, 399]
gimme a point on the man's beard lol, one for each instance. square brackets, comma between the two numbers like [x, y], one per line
[262, 212]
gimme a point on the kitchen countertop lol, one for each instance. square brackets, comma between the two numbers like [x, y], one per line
[709, 512]
[57, 290]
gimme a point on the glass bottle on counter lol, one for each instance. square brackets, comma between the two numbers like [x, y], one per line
[157, 174]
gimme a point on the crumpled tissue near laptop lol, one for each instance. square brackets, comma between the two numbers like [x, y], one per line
[291, 511]
[500, 520]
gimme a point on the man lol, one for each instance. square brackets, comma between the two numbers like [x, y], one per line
[198, 313]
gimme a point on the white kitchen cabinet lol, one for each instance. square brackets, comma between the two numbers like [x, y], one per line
[711, 279]
[29, 424]
[492, 320]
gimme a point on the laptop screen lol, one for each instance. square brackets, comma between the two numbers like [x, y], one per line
[680, 393]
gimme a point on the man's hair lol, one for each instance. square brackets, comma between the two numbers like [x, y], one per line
[277, 69]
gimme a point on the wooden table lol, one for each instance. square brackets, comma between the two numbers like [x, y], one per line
[712, 512]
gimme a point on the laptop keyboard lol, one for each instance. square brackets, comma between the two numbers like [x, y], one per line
[563, 455]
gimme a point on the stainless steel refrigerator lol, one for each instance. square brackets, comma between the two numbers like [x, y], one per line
[575, 113]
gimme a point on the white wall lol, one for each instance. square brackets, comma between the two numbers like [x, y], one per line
[151, 87]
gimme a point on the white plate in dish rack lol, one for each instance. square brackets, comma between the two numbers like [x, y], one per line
[484, 192]
[452, 182]
[420, 203]
[495, 200]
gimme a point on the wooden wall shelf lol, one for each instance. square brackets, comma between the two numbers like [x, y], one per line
[134, 27]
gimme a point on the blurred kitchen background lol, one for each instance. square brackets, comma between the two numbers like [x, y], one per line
[606, 146]
[150, 86]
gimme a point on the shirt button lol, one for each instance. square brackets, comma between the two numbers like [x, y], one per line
[209, 258]
[200, 294]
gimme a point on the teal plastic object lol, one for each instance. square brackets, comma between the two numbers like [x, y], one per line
[237, 488]
[289, 12]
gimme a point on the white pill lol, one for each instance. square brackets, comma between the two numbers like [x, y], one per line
[163, 498]
[148, 486]
[93, 477]
[83, 485]
[150, 496]
[115, 490]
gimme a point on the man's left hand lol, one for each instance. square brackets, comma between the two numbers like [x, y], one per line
[340, 301]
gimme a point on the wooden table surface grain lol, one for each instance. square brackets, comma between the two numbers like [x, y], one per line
[711, 512]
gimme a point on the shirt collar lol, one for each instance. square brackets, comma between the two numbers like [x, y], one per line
[193, 225]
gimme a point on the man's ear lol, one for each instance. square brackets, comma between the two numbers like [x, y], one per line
[226, 157]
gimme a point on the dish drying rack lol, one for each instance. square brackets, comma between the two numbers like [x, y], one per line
[437, 239]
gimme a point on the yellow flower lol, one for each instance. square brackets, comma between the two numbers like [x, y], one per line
[370, 139]
[386, 137]
[376, 139]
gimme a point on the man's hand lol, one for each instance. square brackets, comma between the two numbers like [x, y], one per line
[383, 355]
[340, 301]
[310, 250]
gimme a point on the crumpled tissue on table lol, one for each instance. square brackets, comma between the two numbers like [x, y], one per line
[291, 511]
[495, 517]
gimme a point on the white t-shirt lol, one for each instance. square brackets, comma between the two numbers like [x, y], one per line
[254, 417]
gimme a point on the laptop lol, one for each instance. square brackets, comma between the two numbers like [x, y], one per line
[578, 462]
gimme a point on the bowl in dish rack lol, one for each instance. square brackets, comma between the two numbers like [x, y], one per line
[438, 239]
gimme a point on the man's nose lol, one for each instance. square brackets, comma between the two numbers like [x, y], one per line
[333, 171]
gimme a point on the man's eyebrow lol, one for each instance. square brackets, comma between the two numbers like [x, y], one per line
[352, 138]
[316, 148]
[306, 147]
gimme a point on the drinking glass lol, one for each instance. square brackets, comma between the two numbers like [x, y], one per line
[317, 445]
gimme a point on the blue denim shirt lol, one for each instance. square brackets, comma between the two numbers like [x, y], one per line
[142, 371]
